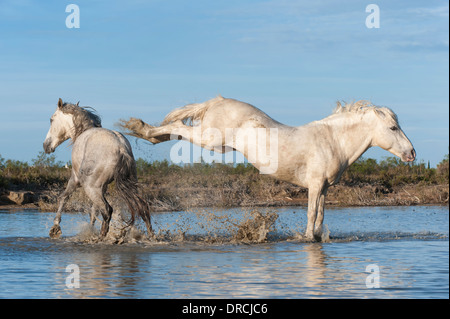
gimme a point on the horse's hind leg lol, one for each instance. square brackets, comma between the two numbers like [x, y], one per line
[158, 134]
[208, 138]
[107, 213]
[94, 216]
[97, 196]
[139, 128]
[55, 231]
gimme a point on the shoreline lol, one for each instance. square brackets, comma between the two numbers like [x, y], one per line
[179, 199]
[170, 187]
[34, 207]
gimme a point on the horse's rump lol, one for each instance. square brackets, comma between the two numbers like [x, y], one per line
[191, 113]
[126, 184]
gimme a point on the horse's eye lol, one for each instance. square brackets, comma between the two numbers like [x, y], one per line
[394, 128]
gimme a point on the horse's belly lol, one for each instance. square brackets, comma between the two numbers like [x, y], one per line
[290, 176]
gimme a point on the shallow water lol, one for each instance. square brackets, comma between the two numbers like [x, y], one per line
[200, 255]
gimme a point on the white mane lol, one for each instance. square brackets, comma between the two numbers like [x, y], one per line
[364, 106]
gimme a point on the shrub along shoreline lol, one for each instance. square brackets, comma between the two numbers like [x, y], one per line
[170, 187]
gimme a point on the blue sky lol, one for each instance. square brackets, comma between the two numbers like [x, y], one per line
[292, 59]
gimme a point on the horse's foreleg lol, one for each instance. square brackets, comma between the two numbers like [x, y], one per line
[314, 195]
[320, 215]
[55, 231]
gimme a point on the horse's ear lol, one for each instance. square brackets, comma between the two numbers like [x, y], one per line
[60, 103]
[78, 103]
[338, 107]
[380, 113]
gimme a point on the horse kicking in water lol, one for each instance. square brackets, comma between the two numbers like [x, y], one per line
[313, 156]
[99, 156]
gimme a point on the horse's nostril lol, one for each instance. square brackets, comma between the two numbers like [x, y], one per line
[413, 153]
[47, 147]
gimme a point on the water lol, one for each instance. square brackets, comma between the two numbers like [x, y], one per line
[199, 256]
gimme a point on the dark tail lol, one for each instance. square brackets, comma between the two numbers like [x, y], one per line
[126, 184]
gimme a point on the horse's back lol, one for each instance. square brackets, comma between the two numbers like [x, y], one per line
[101, 139]
[98, 151]
[231, 113]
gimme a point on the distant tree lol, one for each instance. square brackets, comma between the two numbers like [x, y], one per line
[443, 169]
[45, 160]
[2, 162]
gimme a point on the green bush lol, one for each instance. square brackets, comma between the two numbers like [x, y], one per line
[43, 172]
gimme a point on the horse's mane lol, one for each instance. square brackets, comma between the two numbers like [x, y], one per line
[364, 106]
[83, 118]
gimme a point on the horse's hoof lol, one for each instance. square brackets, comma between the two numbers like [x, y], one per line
[55, 232]
[311, 238]
[318, 237]
[151, 236]
[103, 234]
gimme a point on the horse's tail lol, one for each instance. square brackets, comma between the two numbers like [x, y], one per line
[192, 112]
[127, 186]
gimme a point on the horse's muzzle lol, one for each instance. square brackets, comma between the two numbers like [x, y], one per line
[47, 146]
[410, 157]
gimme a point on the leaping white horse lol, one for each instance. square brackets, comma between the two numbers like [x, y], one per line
[313, 156]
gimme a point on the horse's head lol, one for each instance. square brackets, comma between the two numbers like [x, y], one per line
[389, 136]
[61, 129]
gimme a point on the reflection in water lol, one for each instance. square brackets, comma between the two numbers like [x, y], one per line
[183, 272]
[105, 273]
[292, 270]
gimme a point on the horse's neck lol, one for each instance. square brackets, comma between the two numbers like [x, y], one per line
[352, 134]
[79, 129]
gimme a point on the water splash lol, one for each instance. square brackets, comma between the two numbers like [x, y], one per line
[253, 226]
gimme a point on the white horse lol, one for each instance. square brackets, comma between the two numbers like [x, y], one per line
[313, 156]
[99, 156]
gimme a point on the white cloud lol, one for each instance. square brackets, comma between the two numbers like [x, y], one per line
[440, 11]
[325, 25]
